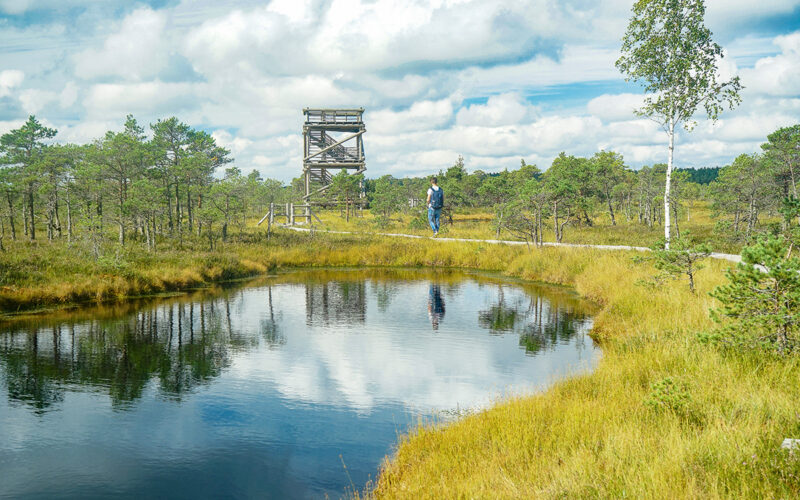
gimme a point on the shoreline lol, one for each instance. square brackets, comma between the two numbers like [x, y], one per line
[147, 281]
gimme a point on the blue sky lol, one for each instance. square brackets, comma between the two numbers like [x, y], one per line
[494, 81]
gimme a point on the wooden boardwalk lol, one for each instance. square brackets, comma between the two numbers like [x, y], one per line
[714, 255]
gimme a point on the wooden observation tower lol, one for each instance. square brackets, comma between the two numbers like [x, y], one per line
[332, 139]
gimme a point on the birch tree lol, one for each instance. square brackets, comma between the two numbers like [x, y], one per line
[668, 49]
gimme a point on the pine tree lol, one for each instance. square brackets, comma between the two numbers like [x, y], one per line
[761, 302]
[681, 259]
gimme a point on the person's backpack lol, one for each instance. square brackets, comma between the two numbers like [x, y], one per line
[437, 198]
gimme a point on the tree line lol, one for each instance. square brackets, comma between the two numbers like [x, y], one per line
[573, 191]
[147, 189]
[755, 188]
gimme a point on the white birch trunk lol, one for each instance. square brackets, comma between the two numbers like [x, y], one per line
[667, 227]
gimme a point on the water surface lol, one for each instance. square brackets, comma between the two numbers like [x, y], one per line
[294, 386]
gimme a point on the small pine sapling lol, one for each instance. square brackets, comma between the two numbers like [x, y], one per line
[669, 395]
[683, 258]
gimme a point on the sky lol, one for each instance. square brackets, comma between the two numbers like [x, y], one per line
[494, 81]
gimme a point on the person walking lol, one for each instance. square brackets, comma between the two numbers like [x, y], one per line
[435, 203]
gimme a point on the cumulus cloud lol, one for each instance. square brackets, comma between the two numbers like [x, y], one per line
[9, 125]
[616, 107]
[68, 95]
[295, 11]
[14, 6]
[87, 130]
[254, 43]
[778, 75]
[136, 51]
[363, 36]
[9, 79]
[575, 64]
[236, 145]
[122, 98]
[397, 89]
[421, 115]
[33, 100]
[503, 109]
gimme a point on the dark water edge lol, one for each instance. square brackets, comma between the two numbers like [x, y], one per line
[269, 388]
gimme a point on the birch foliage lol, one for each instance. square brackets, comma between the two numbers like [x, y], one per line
[668, 49]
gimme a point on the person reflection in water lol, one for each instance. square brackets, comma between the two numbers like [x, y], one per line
[435, 305]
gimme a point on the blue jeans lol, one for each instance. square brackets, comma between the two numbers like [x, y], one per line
[433, 218]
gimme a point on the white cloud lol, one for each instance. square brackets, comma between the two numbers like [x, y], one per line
[10, 79]
[365, 36]
[778, 75]
[422, 115]
[575, 64]
[14, 6]
[633, 131]
[253, 43]
[119, 99]
[295, 11]
[136, 51]
[409, 87]
[745, 128]
[34, 100]
[9, 125]
[616, 107]
[68, 95]
[503, 109]
[235, 144]
[86, 131]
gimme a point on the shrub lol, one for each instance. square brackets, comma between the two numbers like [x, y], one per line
[681, 259]
[669, 395]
